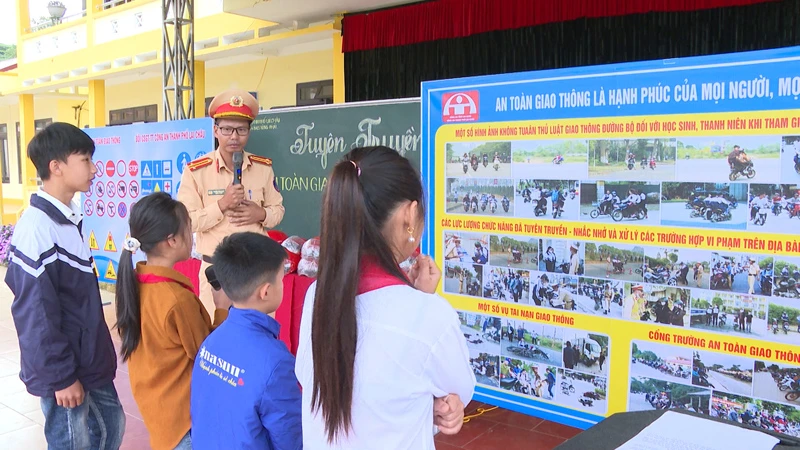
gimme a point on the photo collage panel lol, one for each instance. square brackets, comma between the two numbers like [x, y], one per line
[559, 365]
[722, 183]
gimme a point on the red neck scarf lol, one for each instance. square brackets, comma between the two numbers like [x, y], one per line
[374, 277]
[150, 278]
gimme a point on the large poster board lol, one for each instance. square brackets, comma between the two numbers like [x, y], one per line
[692, 302]
[305, 143]
[133, 161]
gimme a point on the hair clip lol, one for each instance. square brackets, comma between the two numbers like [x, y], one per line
[356, 166]
[132, 245]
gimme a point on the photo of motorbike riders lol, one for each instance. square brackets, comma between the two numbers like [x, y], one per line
[773, 207]
[547, 199]
[790, 159]
[507, 251]
[583, 391]
[784, 320]
[649, 394]
[728, 312]
[758, 413]
[556, 291]
[621, 201]
[657, 304]
[600, 297]
[722, 372]
[704, 205]
[558, 256]
[505, 284]
[632, 159]
[552, 160]
[777, 382]
[661, 361]
[466, 247]
[531, 342]
[478, 159]
[480, 196]
[481, 332]
[745, 274]
[590, 352]
[755, 158]
[535, 380]
[486, 368]
[786, 277]
[677, 267]
[463, 278]
[614, 261]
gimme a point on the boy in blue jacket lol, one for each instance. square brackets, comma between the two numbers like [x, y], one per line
[66, 352]
[244, 391]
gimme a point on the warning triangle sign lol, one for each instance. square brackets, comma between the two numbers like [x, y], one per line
[157, 188]
[111, 274]
[146, 171]
[93, 242]
[110, 245]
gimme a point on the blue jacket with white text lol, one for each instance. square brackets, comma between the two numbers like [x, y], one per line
[244, 391]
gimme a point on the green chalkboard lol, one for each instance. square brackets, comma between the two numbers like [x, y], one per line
[306, 143]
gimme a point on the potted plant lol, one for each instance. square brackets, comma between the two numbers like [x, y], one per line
[56, 9]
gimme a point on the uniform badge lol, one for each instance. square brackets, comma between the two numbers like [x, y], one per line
[236, 101]
[275, 183]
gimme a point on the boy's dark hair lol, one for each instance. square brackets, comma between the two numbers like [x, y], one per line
[56, 143]
[245, 261]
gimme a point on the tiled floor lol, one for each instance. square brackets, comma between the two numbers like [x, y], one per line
[21, 420]
[507, 430]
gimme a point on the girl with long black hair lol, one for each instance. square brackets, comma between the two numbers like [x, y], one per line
[160, 320]
[382, 358]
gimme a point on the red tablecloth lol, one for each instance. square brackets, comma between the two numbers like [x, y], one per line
[291, 310]
[288, 314]
[191, 270]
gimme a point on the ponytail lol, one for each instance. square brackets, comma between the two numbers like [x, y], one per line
[362, 192]
[334, 332]
[153, 219]
[129, 314]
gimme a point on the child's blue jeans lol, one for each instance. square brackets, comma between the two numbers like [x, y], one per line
[97, 424]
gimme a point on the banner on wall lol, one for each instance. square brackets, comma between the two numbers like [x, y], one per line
[624, 237]
[133, 161]
[306, 143]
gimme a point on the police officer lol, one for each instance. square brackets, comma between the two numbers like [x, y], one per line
[219, 208]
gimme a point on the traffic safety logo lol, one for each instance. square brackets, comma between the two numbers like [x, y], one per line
[461, 107]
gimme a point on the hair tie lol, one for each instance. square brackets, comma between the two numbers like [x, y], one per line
[356, 166]
[132, 245]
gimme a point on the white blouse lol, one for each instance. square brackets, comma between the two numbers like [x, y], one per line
[410, 350]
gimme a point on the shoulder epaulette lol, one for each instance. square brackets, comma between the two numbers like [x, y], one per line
[199, 163]
[260, 160]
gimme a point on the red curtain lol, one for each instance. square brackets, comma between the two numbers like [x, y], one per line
[444, 19]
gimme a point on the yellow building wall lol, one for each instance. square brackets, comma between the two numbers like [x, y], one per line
[66, 112]
[137, 93]
[274, 79]
[277, 85]
[44, 108]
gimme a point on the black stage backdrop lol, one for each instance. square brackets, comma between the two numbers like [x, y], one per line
[396, 72]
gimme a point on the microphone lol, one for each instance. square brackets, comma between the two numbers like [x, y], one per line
[238, 157]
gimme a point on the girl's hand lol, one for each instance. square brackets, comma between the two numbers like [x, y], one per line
[448, 414]
[425, 275]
